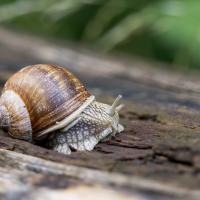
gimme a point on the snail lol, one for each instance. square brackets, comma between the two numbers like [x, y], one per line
[47, 102]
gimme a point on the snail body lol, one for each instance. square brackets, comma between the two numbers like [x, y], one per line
[48, 102]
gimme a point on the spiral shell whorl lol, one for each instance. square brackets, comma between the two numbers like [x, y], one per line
[15, 116]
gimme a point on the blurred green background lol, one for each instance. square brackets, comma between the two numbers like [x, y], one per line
[167, 31]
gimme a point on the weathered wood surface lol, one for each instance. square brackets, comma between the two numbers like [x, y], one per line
[157, 156]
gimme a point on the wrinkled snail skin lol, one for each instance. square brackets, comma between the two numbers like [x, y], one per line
[93, 125]
[47, 102]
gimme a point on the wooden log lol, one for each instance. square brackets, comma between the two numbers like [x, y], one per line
[157, 156]
[28, 168]
[161, 156]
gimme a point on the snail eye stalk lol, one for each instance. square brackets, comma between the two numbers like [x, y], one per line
[115, 106]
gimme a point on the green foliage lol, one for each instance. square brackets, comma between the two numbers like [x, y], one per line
[166, 30]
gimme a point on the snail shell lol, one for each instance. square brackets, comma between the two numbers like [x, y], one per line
[37, 97]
